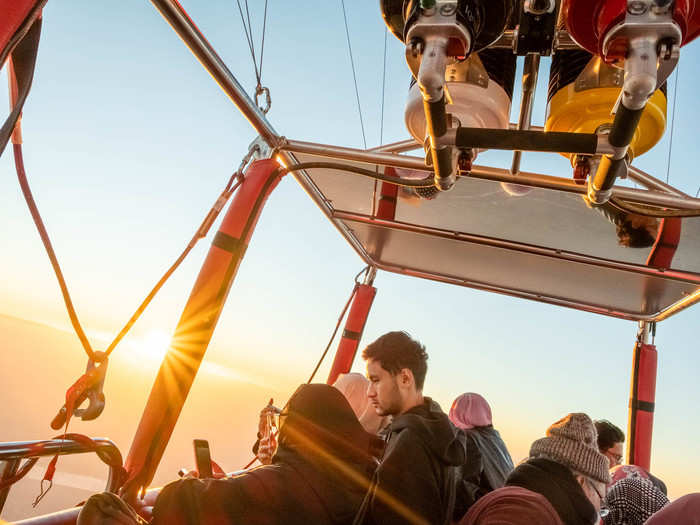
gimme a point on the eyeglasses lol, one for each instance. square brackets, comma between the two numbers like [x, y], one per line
[617, 458]
[604, 511]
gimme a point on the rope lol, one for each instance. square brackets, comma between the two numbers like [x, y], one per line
[673, 122]
[354, 74]
[335, 331]
[199, 234]
[328, 346]
[36, 216]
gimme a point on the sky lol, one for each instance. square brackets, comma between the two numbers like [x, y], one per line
[128, 142]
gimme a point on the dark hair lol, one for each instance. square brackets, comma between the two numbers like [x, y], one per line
[397, 350]
[608, 434]
[634, 237]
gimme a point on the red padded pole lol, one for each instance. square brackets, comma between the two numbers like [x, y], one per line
[666, 244]
[388, 192]
[354, 326]
[641, 409]
[196, 325]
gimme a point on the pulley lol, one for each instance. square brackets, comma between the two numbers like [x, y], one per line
[582, 93]
[479, 92]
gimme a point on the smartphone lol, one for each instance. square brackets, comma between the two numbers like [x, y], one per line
[202, 458]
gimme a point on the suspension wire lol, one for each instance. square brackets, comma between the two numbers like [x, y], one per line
[248, 28]
[354, 74]
[248, 36]
[673, 122]
[262, 44]
[381, 121]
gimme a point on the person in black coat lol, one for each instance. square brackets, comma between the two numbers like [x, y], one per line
[415, 481]
[488, 461]
[319, 474]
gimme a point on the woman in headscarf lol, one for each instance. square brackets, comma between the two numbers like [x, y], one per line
[512, 506]
[488, 460]
[319, 474]
[632, 501]
[354, 387]
[633, 471]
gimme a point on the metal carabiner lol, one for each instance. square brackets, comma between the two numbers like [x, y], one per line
[89, 386]
[261, 90]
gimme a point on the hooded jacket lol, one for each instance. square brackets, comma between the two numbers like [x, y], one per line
[416, 475]
[319, 474]
[557, 483]
[487, 467]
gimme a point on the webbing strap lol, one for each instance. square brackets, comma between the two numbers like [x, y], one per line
[23, 58]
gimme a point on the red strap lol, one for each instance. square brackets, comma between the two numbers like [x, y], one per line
[664, 248]
[217, 470]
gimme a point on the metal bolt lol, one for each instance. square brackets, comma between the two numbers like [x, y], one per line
[416, 47]
[637, 7]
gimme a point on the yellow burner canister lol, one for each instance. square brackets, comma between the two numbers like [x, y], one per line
[582, 93]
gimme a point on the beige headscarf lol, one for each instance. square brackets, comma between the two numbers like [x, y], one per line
[354, 387]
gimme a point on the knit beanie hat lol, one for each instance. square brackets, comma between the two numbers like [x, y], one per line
[572, 441]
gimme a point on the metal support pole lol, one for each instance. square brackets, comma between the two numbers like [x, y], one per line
[642, 398]
[7, 470]
[193, 38]
[530, 72]
[196, 325]
[354, 326]
[653, 183]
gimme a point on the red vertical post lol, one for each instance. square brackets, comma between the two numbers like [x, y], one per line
[388, 193]
[196, 325]
[354, 326]
[641, 408]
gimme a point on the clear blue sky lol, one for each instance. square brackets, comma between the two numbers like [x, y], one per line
[128, 142]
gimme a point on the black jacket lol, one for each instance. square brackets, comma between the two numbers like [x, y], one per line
[319, 474]
[558, 484]
[423, 450]
[487, 467]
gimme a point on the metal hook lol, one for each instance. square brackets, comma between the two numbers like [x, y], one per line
[261, 90]
[88, 386]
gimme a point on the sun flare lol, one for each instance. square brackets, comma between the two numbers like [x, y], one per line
[153, 345]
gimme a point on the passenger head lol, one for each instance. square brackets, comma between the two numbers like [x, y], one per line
[396, 368]
[610, 440]
[354, 387]
[632, 501]
[637, 231]
[571, 442]
[470, 410]
[621, 472]
[512, 506]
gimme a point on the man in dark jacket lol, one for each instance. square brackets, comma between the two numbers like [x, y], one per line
[416, 478]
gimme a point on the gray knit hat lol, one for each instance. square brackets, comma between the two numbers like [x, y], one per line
[572, 441]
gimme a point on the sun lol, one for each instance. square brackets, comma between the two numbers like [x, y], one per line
[153, 345]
